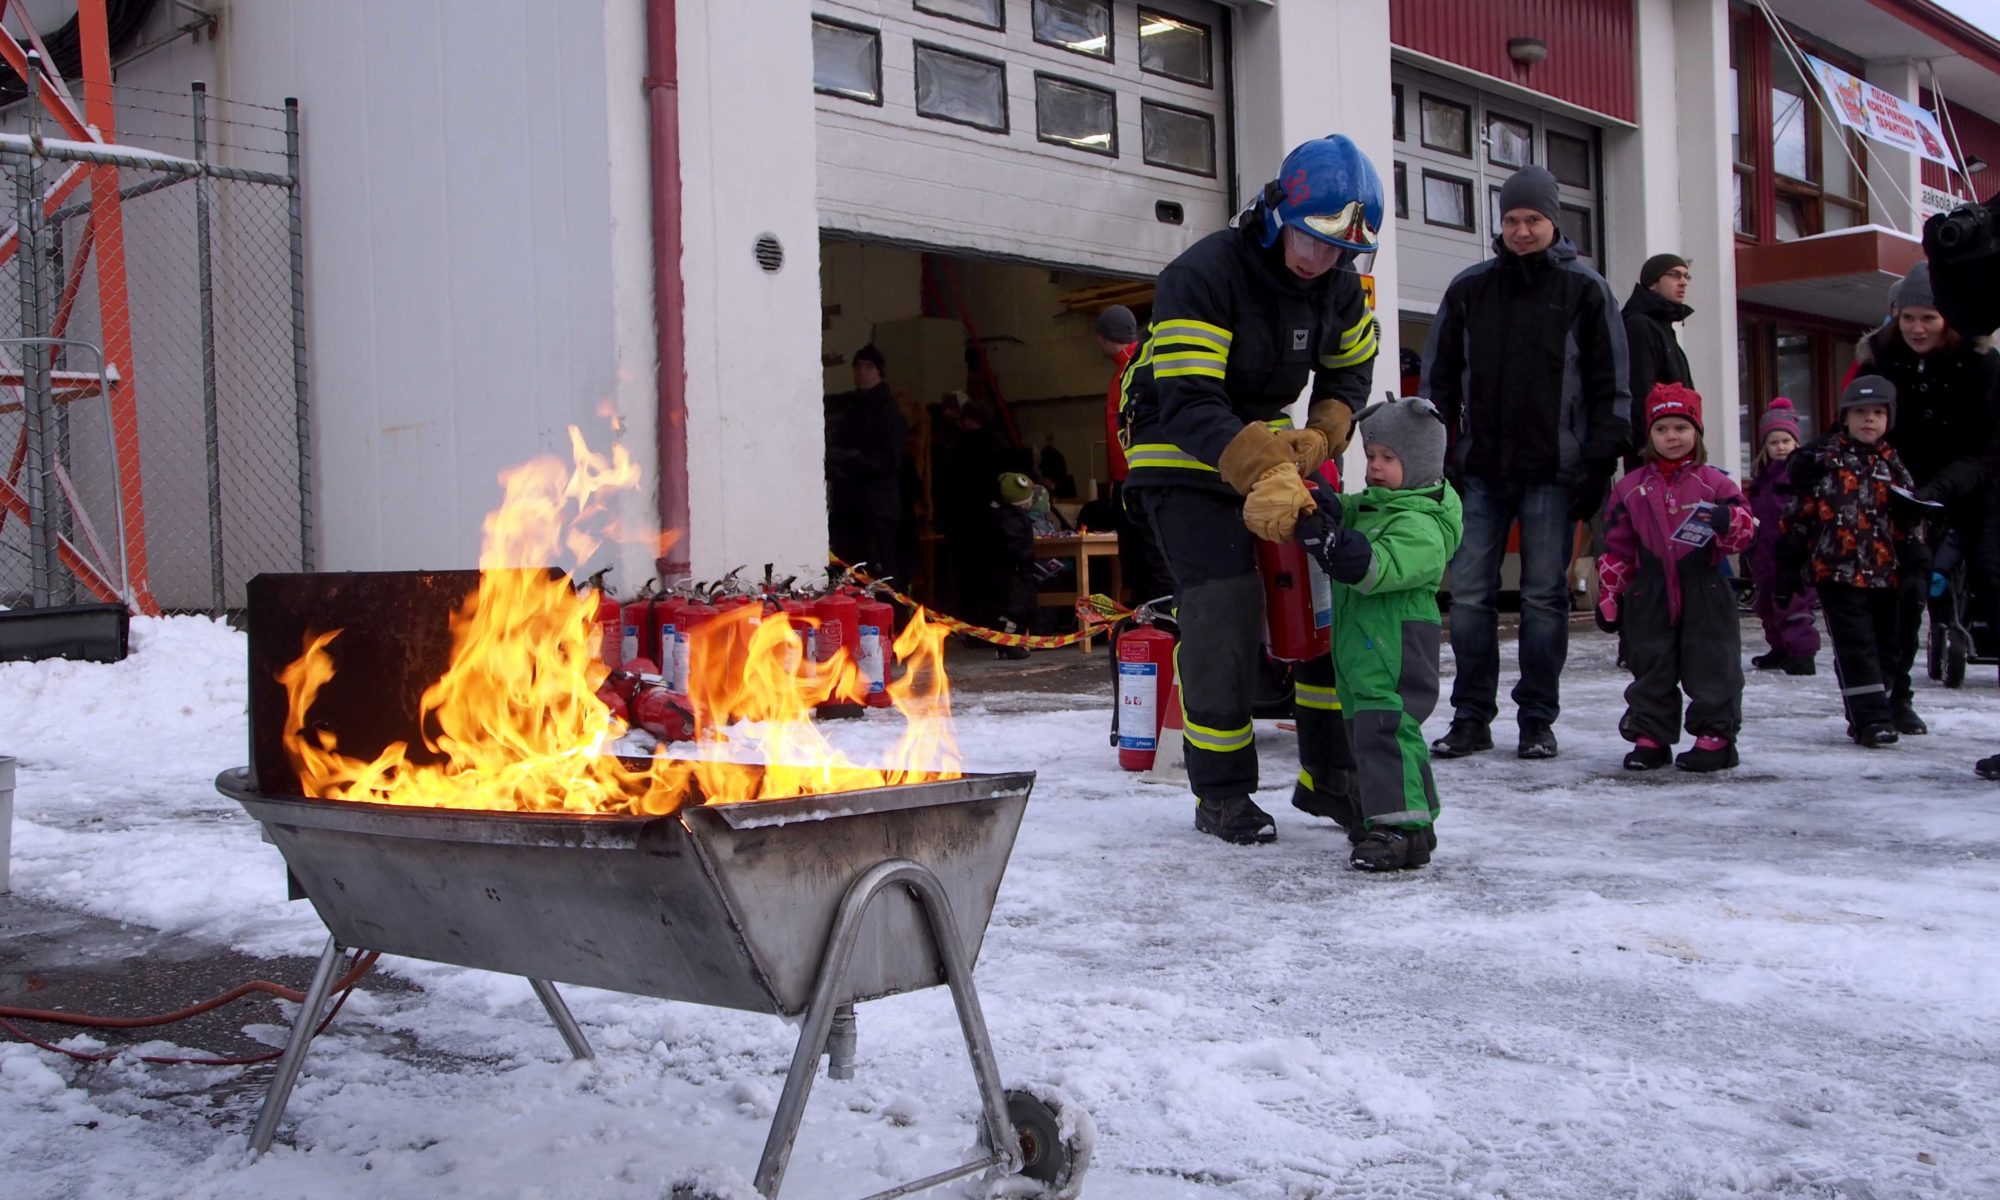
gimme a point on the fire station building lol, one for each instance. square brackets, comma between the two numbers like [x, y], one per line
[672, 221]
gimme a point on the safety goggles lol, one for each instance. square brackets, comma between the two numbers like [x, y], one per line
[1349, 225]
[1319, 257]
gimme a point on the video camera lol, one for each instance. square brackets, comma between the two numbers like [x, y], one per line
[1964, 248]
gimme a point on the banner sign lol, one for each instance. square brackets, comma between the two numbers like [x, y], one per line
[1874, 113]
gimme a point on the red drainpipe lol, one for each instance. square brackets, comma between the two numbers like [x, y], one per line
[669, 296]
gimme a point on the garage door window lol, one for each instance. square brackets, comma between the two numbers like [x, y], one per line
[1173, 47]
[847, 61]
[1579, 225]
[1402, 193]
[1569, 159]
[990, 13]
[1445, 126]
[1447, 201]
[1509, 143]
[1069, 113]
[1079, 26]
[1177, 138]
[961, 88]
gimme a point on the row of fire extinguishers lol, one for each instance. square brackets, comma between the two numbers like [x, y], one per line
[654, 646]
[1298, 626]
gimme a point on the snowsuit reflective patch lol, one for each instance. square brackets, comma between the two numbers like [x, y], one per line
[1386, 630]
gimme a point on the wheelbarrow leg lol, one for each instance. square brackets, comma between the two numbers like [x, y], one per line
[294, 1057]
[572, 1033]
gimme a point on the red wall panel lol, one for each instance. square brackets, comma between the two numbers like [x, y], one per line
[1978, 137]
[1590, 44]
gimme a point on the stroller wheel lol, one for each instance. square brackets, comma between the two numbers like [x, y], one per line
[1956, 652]
[1935, 655]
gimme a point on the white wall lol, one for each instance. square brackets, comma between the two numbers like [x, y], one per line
[755, 423]
[477, 249]
[1322, 68]
[1707, 206]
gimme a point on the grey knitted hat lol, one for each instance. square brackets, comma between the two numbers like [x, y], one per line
[1117, 324]
[1412, 429]
[1913, 289]
[1532, 187]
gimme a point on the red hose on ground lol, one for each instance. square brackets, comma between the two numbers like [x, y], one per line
[358, 966]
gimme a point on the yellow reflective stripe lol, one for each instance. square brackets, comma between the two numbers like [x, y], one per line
[1197, 332]
[1279, 422]
[1163, 454]
[1365, 326]
[1305, 779]
[1352, 358]
[1307, 695]
[1218, 741]
[1187, 362]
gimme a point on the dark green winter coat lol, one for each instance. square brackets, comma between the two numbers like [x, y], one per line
[1385, 644]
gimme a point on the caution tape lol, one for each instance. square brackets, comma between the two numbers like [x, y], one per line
[1097, 614]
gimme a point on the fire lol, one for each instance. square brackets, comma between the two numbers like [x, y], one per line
[515, 722]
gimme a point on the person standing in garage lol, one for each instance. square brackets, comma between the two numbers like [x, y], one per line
[1243, 323]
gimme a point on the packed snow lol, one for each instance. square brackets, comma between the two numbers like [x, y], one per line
[1776, 982]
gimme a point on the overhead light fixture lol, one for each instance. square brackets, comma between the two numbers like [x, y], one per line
[1975, 165]
[1527, 50]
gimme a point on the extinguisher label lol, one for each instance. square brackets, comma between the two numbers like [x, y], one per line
[1138, 705]
[871, 659]
[680, 677]
[669, 651]
[628, 645]
[1322, 592]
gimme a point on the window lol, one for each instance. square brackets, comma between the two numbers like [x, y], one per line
[1445, 125]
[1396, 110]
[1402, 193]
[1447, 201]
[990, 13]
[960, 88]
[1069, 113]
[1569, 160]
[1509, 143]
[1580, 225]
[1080, 26]
[1742, 116]
[1175, 48]
[1177, 138]
[847, 61]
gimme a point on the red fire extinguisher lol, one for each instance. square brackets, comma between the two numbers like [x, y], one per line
[875, 638]
[666, 633]
[1145, 661]
[609, 622]
[662, 714]
[1298, 602]
[799, 613]
[638, 637]
[693, 615]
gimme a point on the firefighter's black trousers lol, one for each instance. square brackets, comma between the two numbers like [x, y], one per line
[1700, 655]
[1868, 651]
[1220, 608]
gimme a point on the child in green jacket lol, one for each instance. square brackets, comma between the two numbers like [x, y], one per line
[1386, 549]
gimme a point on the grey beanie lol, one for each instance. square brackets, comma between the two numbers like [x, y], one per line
[1913, 289]
[1532, 187]
[1117, 324]
[1413, 430]
[1869, 389]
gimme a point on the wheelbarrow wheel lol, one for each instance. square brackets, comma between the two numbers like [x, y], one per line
[1954, 661]
[1936, 655]
[1055, 1138]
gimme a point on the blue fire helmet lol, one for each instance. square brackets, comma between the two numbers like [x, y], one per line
[1328, 190]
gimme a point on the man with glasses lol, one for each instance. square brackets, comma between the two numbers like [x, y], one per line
[1527, 363]
[1244, 322]
[1658, 303]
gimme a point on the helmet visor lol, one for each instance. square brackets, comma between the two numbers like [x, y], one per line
[1349, 225]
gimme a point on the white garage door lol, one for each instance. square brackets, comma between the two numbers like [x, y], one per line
[1455, 146]
[1085, 132]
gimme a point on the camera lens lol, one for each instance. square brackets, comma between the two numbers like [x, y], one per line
[1950, 233]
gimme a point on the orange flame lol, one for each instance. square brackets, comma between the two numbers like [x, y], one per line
[515, 723]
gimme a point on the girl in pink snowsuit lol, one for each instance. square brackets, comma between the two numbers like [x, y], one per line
[1667, 528]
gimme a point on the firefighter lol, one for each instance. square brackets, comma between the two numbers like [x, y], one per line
[1242, 322]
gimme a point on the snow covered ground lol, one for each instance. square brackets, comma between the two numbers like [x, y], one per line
[1776, 982]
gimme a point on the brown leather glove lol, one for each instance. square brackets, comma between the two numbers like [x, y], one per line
[1334, 421]
[1308, 447]
[1254, 450]
[1276, 502]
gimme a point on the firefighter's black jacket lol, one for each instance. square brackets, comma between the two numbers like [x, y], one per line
[1527, 361]
[1235, 338]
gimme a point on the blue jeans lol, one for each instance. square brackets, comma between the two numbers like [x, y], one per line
[1547, 538]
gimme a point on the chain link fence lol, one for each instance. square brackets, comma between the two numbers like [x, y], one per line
[153, 425]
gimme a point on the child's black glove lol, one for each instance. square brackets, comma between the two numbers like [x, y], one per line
[1718, 516]
[1341, 552]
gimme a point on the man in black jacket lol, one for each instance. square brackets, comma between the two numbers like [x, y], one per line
[1527, 362]
[864, 453]
[1658, 303]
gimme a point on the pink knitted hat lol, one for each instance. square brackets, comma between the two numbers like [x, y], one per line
[1778, 414]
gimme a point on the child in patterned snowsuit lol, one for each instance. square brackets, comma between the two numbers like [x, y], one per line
[1667, 528]
[1385, 549]
[1788, 628]
[1853, 539]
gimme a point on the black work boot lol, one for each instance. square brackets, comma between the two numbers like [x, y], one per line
[1466, 736]
[1907, 722]
[1988, 767]
[1538, 740]
[1235, 819]
[1333, 799]
[1393, 848]
[1880, 733]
